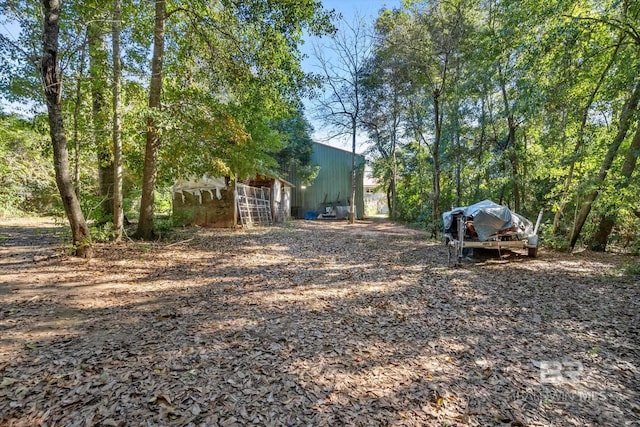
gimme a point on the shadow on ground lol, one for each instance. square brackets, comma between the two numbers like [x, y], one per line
[315, 323]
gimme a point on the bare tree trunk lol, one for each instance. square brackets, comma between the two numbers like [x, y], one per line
[421, 173]
[513, 161]
[394, 180]
[455, 121]
[605, 227]
[145, 221]
[458, 156]
[97, 72]
[352, 214]
[511, 143]
[435, 203]
[393, 151]
[76, 137]
[458, 173]
[626, 115]
[483, 127]
[53, 94]
[515, 177]
[342, 105]
[76, 114]
[610, 216]
[118, 213]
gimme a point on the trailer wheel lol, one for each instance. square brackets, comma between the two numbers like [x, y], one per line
[532, 252]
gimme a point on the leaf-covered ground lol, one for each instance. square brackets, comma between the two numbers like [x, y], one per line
[312, 323]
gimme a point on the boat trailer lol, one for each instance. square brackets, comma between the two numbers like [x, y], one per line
[462, 235]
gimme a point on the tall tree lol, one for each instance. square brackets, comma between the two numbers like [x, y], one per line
[98, 72]
[145, 221]
[342, 74]
[231, 72]
[509, 80]
[621, 19]
[610, 215]
[435, 35]
[385, 87]
[624, 122]
[118, 213]
[53, 95]
[76, 123]
[581, 137]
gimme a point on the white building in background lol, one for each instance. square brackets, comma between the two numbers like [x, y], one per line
[375, 199]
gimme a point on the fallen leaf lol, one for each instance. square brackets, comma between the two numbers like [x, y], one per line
[7, 381]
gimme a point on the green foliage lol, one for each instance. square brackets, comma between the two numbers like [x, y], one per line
[232, 74]
[91, 204]
[164, 226]
[163, 201]
[553, 241]
[102, 232]
[529, 94]
[631, 268]
[26, 182]
[297, 147]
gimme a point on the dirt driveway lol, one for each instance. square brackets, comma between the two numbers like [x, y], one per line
[312, 323]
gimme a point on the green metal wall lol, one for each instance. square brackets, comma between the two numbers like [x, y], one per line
[333, 183]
